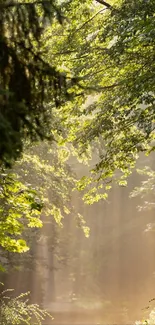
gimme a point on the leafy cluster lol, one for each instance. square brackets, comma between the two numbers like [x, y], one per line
[20, 208]
[18, 310]
[44, 167]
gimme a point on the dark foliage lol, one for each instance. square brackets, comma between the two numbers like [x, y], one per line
[28, 82]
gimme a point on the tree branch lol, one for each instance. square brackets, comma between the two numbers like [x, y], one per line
[98, 89]
[104, 3]
[86, 22]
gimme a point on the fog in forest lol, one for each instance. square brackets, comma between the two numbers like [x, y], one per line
[104, 279]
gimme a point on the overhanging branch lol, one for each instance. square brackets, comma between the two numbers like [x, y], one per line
[98, 88]
[104, 3]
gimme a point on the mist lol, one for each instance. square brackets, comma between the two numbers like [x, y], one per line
[104, 279]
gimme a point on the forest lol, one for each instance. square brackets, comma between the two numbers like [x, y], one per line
[77, 180]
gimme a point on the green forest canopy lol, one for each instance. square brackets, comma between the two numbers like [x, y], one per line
[109, 49]
[78, 80]
[106, 52]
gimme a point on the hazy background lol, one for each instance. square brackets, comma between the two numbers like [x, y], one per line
[106, 278]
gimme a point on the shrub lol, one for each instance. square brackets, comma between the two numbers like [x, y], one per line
[18, 310]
